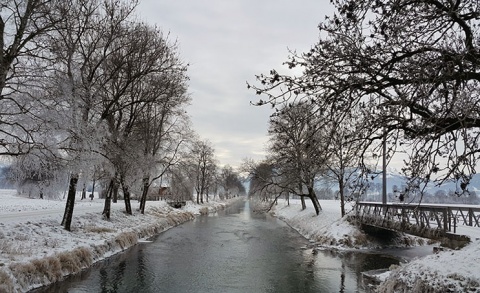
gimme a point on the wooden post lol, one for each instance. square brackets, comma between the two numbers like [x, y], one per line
[470, 215]
[445, 219]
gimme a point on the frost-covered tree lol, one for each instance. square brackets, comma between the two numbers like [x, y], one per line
[163, 126]
[81, 44]
[23, 26]
[229, 180]
[409, 68]
[39, 174]
[261, 176]
[203, 162]
[182, 185]
[295, 140]
[143, 104]
[343, 162]
[256, 172]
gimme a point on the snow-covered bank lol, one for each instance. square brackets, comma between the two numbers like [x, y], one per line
[36, 250]
[445, 271]
[326, 229]
[329, 229]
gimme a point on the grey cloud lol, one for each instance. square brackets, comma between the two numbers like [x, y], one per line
[227, 43]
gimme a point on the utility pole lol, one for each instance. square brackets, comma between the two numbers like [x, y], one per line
[384, 183]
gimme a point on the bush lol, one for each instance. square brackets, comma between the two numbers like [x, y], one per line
[126, 239]
[6, 284]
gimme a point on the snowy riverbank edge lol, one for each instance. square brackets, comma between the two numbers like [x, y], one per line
[445, 271]
[37, 251]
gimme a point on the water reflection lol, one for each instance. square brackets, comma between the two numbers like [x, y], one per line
[233, 251]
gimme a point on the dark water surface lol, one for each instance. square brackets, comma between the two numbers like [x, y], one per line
[235, 250]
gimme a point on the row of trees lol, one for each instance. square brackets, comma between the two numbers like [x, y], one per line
[88, 93]
[209, 178]
[303, 150]
[395, 74]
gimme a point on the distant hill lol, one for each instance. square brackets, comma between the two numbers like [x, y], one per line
[396, 179]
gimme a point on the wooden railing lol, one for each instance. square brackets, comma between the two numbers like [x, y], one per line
[417, 218]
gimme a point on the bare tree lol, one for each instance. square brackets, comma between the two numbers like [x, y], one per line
[230, 182]
[261, 176]
[295, 136]
[410, 68]
[163, 126]
[181, 183]
[344, 162]
[82, 42]
[146, 93]
[23, 25]
[203, 162]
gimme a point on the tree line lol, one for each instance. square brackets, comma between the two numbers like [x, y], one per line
[89, 94]
[384, 77]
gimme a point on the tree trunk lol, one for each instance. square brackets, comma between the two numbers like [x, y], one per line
[93, 188]
[115, 188]
[341, 190]
[126, 197]
[108, 201]
[68, 215]
[143, 199]
[302, 198]
[314, 199]
[84, 192]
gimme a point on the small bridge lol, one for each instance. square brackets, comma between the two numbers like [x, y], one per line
[440, 222]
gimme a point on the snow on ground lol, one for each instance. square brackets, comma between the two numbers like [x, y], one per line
[36, 250]
[445, 271]
[326, 229]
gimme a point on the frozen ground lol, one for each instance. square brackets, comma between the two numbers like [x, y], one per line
[446, 271]
[36, 250]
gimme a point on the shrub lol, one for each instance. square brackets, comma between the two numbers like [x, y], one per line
[6, 284]
[73, 261]
[126, 239]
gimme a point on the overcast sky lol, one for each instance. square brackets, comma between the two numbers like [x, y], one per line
[226, 43]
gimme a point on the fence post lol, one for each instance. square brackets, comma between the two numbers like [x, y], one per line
[445, 220]
[470, 217]
[454, 224]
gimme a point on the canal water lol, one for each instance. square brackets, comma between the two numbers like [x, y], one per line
[234, 250]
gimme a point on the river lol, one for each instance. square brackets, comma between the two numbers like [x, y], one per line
[234, 250]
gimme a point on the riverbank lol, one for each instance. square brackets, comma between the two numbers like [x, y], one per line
[36, 250]
[444, 271]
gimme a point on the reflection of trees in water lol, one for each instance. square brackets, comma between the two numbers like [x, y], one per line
[117, 276]
[342, 278]
[351, 261]
[141, 269]
[108, 286]
[310, 269]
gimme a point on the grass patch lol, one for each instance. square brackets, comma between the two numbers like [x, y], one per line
[9, 248]
[6, 283]
[126, 239]
[204, 211]
[95, 229]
